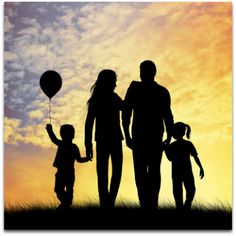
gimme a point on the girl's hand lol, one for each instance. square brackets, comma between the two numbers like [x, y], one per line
[201, 173]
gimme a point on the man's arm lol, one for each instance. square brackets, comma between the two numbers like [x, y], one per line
[168, 117]
[168, 152]
[51, 135]
[126, 116]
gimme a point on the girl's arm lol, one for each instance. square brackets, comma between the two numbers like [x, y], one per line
[51, 135]
[200, 166]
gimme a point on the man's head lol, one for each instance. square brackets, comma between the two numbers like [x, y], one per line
[147, 71]
[67, 132]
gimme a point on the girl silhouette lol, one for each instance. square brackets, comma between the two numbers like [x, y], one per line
[104, 108]
[179, 153]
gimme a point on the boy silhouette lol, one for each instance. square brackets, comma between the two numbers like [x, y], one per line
[179, 153]
[66, 155]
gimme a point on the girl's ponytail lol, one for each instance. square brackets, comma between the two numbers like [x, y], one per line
[188, 131]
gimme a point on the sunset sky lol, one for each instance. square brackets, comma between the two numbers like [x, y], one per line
[191, 44]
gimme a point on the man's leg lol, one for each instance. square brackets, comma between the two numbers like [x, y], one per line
[154, 176]
[140, 171]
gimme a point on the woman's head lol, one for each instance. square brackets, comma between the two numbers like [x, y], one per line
[106, 81]
[180, 129]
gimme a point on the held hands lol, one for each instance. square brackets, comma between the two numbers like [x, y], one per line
[201, 174]
[89, 153]
[129, 142]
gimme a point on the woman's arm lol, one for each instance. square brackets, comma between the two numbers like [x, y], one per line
[89, 130]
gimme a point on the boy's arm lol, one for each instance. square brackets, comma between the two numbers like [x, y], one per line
[79, 158]
[51, 135]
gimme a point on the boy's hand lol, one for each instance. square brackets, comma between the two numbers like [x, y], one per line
[201, 173]
[48, 127]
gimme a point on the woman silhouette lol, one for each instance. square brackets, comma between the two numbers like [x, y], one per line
[104, 106]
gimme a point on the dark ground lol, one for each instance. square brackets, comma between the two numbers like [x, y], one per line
[119, 218]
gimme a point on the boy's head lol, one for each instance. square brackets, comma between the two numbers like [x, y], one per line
[67, 132]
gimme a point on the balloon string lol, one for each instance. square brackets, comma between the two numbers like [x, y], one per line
[49, 110]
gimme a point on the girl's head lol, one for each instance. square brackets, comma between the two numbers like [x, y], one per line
[105, 83]
[180, 129]
[67, 132]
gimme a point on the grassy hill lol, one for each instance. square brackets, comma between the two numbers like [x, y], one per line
[123, 217]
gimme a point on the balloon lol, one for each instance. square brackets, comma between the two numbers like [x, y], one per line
[50, 83]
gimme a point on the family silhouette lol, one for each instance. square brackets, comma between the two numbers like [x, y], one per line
[146, 111]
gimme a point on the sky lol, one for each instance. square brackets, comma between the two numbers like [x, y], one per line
[191, 44]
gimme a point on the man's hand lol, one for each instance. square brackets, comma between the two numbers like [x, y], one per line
[89, 153]
[167, 141]
[129, 143]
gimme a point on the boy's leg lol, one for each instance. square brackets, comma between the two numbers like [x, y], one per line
[102, 172]
[59, 188]
[190, 190]
[178, 191]
[70, 179]
[116, 159]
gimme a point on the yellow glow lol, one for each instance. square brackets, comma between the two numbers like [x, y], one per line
[192, 48]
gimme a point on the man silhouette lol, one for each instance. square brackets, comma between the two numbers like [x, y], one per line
[149, 103]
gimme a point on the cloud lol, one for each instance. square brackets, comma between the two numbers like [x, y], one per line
[190, 43]
[8, 26]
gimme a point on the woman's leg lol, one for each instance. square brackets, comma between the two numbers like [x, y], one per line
[116, 159]
[102, 173]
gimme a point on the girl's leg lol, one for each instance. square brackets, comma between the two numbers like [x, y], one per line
[190, 190]
[116, 159]
[178, 191]
[102, 173]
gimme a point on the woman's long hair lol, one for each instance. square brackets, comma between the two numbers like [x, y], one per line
[104, 84]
